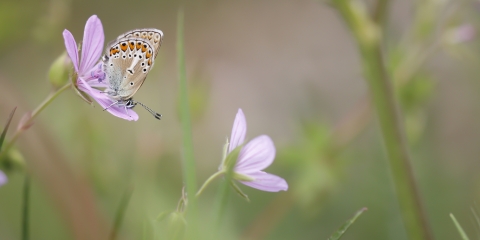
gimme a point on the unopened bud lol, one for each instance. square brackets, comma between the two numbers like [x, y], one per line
[59, 71]
[176, 225]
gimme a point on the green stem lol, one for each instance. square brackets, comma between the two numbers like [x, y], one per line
[222, 200]
[224, 192]
[380, 12]
[209, 180]
[35, 113]
[48, 100]
[368, 37]
[25, 207]
[121, 212]
[188, 156]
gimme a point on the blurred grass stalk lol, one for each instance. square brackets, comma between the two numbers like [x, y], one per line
[459, 228]
[186, 124]
[368, 34]
[25, 208]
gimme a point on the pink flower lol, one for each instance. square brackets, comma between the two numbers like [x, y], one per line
[461, 34]
[3, 178]
[89, 71]
[254, 156]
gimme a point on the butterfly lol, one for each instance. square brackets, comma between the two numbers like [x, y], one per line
[127, 62]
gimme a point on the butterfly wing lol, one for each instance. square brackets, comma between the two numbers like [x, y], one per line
[127, 63]
[153, 35]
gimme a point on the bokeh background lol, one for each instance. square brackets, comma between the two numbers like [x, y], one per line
[294, 69]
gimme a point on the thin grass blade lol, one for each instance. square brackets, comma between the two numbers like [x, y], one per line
[339, 233]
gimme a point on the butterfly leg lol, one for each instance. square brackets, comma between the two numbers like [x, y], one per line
[110, 105]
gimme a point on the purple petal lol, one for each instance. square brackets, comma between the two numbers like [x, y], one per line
[92, 44]
[3, 178]
[105, 101]
[71, 47]
[267, 182]
[238, 131]
[256, 155]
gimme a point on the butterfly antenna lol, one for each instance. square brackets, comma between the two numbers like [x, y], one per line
[155, 114]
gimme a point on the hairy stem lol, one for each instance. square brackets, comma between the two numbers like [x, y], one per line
[368, 36]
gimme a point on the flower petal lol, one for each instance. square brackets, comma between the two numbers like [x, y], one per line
[105, 101]
[267, 182]
[238, 131]
[256, 155]
[71, 47]
[92, 45]
[3, 178]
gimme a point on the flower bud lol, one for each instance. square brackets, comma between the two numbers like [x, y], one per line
[176, 225]
[13, 160]
[59, 71]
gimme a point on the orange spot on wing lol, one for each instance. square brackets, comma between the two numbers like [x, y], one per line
[149, 62]
[124, 46]
[148, 55]
[144, 47]
[139, 45]
[113, 51]
[132, 46]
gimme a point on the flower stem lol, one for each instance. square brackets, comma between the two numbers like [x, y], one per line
[208, 181]
[368, 37]
[48, 100]
[222, 200]
[25, 207]
[35, 113]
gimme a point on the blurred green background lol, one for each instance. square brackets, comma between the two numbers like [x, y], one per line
[294, 69]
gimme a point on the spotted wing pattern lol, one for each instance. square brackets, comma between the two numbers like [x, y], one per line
[126, 63]
[153, 35]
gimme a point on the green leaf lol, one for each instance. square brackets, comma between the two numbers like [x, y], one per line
[339, 233]
[2, 137]
[459, 228]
